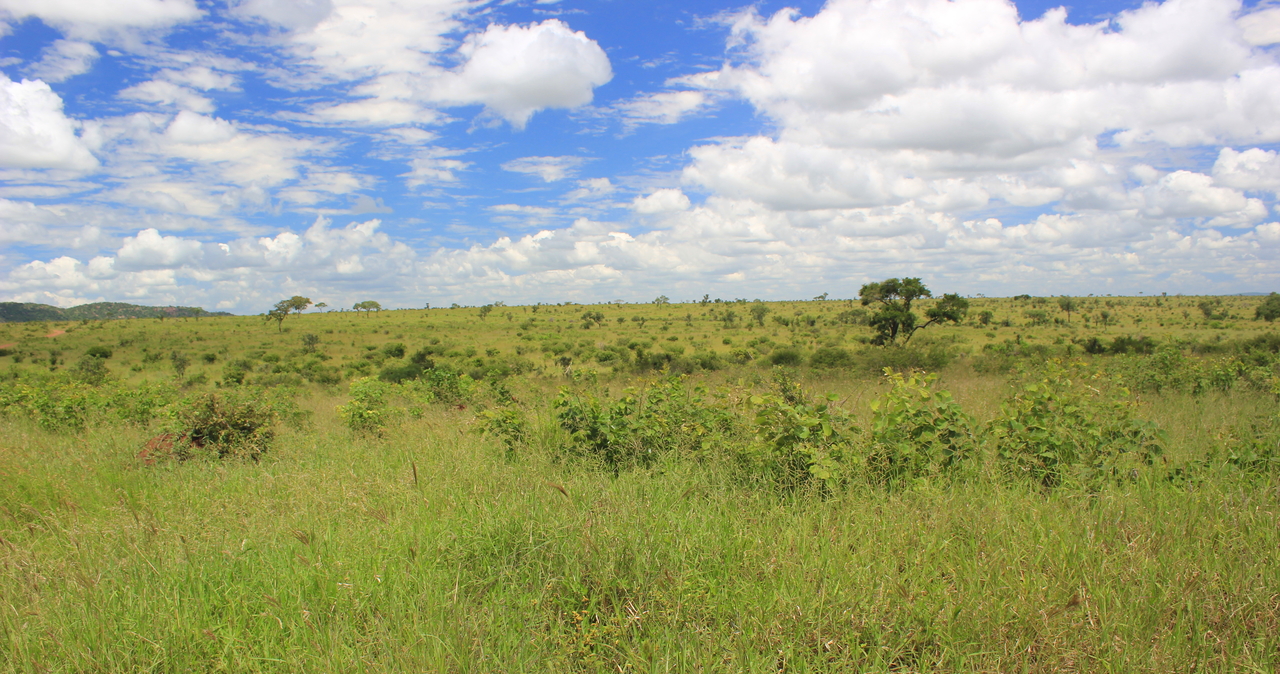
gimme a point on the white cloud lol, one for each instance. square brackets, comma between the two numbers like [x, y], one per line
[664, 200]
[667, 107]
[64, 59]
[1253, 169]
[550, 169]
[293, 14]
[34, 132]
[93, 20]
[167, 93]
[515, 71]
[1261, 27]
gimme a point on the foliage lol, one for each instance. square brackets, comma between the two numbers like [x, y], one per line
[918, 432]
[894, 317]
[1068, 425]
[507, 423]
[1269, 310]
[832, 357]
[98, 352]
[234, 424]
[644, 424]
[367, 306]
[786, 356]
[282, 309]
[799, 441]
[368, 410]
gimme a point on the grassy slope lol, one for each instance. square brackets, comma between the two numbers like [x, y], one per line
[328, 556]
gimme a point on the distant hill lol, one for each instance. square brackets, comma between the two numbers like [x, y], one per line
[19, 312]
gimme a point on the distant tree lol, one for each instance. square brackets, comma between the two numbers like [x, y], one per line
[758, 311]
[180, 362]
[282, 309]
[1269, 310]
[706, 299]
[485, 311]
[822, 297]
[321, 305]
[309, 343]
[895, 319]
[367, 306]
[661, 300]
[590, 317]
[1069, 305]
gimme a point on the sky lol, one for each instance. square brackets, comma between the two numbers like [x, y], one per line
[228, 154]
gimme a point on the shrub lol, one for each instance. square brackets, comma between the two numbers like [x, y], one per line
[787, 357]
[1073, 427]
[233, 424]
[393, 350]
[832, 357]
[367, 411]
[918, 432]
[98, 352]
[798, 442]
[507, 424]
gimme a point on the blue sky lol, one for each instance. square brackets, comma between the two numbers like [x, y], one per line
[228, 154]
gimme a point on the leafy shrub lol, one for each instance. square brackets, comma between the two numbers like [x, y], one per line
[787, 356]
[394, 350]
[642, 425]
[507, 424]
[931, 358]
[832, 357]
[367, 411]
[799, 442]
[1256, 451]
[232, 424]
[918, 432]
[1126, 344]
[98, 352]
[1065, 426]
[91, 370]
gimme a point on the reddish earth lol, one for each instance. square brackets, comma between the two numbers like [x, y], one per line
[55, 333]
[8, 346]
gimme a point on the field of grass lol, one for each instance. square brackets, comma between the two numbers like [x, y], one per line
[658, 488]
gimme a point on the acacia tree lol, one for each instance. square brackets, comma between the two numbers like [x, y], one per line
[1067, 304]
[1269, 310]
[282, 309]
[367, 306]
[895, 319]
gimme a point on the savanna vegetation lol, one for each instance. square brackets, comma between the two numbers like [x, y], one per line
[896, 482]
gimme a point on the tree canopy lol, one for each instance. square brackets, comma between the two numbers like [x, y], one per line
[894, 319]
[1269, 310]
[282, 309]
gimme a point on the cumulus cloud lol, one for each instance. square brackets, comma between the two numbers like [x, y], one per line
[34, 132]
[661, 201]
[667, 107]
[1253, 169]
[515, 71]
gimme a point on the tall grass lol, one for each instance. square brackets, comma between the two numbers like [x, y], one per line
[434, 548]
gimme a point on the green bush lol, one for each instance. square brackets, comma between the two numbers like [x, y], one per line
[233, 424]
[832, 357]
[1068, 425]
[799, 442]
[918, 432]
[785, 357]
[98, 352]
[368, 410]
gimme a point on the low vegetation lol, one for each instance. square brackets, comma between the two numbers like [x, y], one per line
[1030, 484]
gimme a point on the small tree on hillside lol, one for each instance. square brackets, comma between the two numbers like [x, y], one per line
[895, 319]
[1269, 310]
[282, 309]
[367, 306]
[1067, 304]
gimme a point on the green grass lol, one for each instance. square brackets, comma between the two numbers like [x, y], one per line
[433, 548]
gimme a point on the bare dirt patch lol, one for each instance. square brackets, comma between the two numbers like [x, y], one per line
[10, 345]
[55, 333]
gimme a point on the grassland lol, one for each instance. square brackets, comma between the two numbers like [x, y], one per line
[466, 529]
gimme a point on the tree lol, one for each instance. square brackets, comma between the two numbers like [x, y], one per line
[758, 311]
[1269, 310]
[321, 305]
[895, 319]
[367, 306]
[1067, 304]
[282, 309]
[661, 300]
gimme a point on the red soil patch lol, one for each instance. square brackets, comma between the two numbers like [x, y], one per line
[8, 346]
[55, 333]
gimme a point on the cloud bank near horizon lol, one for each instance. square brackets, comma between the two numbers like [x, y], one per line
[958, 141]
